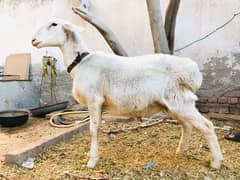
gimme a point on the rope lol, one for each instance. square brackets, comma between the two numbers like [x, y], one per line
[51, 121]
[209, 34]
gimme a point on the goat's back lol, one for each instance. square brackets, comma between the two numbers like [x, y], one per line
[184, 70]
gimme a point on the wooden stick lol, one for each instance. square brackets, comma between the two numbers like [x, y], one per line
[143, 125]
[224, 117]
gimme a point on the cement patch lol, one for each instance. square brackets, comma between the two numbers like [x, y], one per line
[18, 95]
[17, 144]
[63, 89]
[220, 74]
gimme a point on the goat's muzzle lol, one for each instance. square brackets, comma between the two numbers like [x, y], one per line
[35, 42]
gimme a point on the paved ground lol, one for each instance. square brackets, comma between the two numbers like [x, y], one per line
[16, 144]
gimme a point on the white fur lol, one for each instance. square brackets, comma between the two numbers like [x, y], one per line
[132, 86]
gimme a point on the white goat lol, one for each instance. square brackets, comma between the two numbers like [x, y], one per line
[130, 86]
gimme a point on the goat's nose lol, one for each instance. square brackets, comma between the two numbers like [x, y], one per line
[34, 39]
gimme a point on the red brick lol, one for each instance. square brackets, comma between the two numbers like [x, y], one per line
[224, 110]
[232, 100]
[203, 108]
[234, 110]
[202, 100]
[234, 93]
[214, 108]
[222, 100]
[213, 100]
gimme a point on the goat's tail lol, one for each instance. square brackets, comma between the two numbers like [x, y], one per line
[190, 77]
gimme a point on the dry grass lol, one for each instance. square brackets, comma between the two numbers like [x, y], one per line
[123, 156]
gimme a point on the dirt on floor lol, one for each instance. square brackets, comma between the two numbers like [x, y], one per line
[124, 156]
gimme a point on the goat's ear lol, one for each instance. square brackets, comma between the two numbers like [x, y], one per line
[68, 27]
[70, 30]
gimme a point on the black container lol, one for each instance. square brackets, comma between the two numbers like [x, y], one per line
[13, 118]
[42, 111]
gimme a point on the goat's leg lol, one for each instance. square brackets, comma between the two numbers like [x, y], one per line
[185, 136]
[191, 115]
[95, 112]
[207, 128]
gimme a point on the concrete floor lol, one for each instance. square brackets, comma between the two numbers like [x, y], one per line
[17, 144]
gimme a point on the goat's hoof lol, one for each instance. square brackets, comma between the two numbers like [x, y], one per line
[215, 164]
[92, 163]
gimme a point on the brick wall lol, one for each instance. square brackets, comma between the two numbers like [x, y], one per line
[228, 103]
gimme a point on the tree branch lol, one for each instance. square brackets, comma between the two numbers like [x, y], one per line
[170, 22]
[157, 28]
[153, 122]
[108, 35]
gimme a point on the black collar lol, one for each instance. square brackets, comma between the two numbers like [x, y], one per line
[77, 60]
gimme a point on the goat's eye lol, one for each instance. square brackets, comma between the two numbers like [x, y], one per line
[54, 24]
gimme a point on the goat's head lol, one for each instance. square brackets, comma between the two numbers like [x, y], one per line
[55, 33]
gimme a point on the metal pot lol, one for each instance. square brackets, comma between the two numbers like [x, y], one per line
[13, 118]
